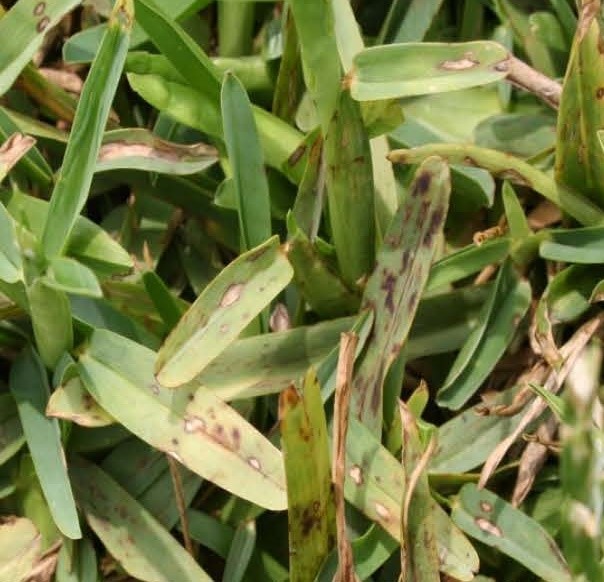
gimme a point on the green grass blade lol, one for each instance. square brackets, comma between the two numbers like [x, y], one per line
[395, 287]
[579, 155]
[23, 27]
[578, 245]
[51, 320]
[404, 70]
[130, 533]
[159, 83]
[467, 261]
[350, 194]
[179, 48]
[11, 264]
[375, 485]
[166, 304]
[311, 509]
[505, 166]
[240, 553]
[508, 304]
[11, 433]
[247, 164]
[494, 522]
[314, 20]
[75, 177]
[88, 242]
[318, 282]
[193, 425]
[65, 274]
[227, 305]
[417, 21]
[29, 385]
[82, 46]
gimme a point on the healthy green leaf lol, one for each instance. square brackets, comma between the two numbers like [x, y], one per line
[509, 302]
[29, 386]
[51, 320]
[71, 190]
[247, 164]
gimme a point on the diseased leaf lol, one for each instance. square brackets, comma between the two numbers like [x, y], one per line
[191, 424]
[139, 149]
[394, 289]
[71, 401]
[226, 306]
[311, 509]
[24, 27]
[407, 69]
[19, 548]
[494, 522]
[140, 544]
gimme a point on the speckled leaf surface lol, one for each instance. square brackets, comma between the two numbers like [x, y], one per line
[227, 305]
[579, 155]
[375, 484]
[193, 425]
[136, 540]
[311, 508]
[395, 287]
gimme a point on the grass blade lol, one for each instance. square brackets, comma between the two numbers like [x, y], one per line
[139, 149]
[29, 385]
[23, 27]
[193, 425]
[494, 522]
[503, 165]
[508, 304]
[75, 177]
[247, 164]
[405, 70]
[131, 534]
[350, 193]
[311, 510]
[226, 306]
[51, 320]
[314, 19]
[394, 288]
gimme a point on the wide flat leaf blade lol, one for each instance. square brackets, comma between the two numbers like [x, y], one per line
[226, 306]
[29, 385]
[489, 519]
[194, 426]
[311, 509]
[23, 27]
[130, 533]
[409, 69]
